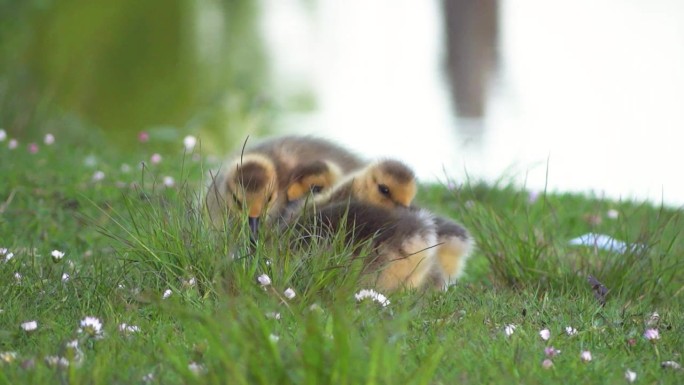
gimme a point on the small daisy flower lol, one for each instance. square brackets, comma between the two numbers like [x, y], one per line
[12, 144]
[652, 334]
[3, 135]
[8, 357]
[128, 329]
[585, 356]
[9, 256]
[56, 361]
[613, 214]
[670, 365]
[66, 277]
[273, 315]
[57, 255]
[191, 282]
[49, 139]
[289, 293]
[509, 329]
[630, 376]
[167, 293]
[571, 331]
[532, 196]
[125, 168]
[18, 277]
[264, 280]
[98, 176]
[33, 148]
[3, 250]
[274, 338]
[545, 334]
[547, 363]
[149, 377]
[29, 326]
[189, 143]
[91, 326]
[196, 368]
[156, 158]
[168, 181]
[551, 351]
[373, 295]
[143, 136]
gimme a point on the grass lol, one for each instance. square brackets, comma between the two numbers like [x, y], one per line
[128, 238]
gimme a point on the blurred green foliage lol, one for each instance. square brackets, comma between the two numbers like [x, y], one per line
[171, 67]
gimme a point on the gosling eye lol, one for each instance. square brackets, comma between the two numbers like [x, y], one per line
[384, 190]
[316, 189]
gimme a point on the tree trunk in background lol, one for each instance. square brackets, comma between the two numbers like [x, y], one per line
[472, 38]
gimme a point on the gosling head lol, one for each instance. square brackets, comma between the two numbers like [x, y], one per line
[388, 183]
[251, 186]
[315, 177]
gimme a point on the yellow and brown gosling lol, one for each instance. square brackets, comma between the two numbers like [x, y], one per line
[257, 179]
[246, 184]
[402, 253]
[312, 178]
[454, 247]
[386, 183]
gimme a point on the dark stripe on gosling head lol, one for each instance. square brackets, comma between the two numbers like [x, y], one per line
[398, 170]
[251, 176]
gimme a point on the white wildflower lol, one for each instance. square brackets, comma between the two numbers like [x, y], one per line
[98, 176]
[155, 158]
[167, 293]
[614, 214]
[12, 144]
[3, 135]
[168, 181]
[571, 331]
[289, 293]
[8, 357]
[273, 315]
[49, 139]
[56, 361]
[9, 256]
[373, 295]
[586, 356]
[66, 277]
[29, 326]
[91, 326]
[125, 168]
[509, 329]
[547, 363]
[128, 329]
[630, 376]
[551, 351]
[189, 143]
[57, 255]
[545, 334]
[196, 368]
[652, 334]
[18, 277]
[149, 377]
[264, 280]
[670, 365]
[274, 338]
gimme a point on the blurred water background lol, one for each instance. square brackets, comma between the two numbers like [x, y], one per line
[570, 96]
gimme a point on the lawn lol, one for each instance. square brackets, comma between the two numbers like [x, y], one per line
[109, 274]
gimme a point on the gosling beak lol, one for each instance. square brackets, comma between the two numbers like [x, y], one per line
[254, 228]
